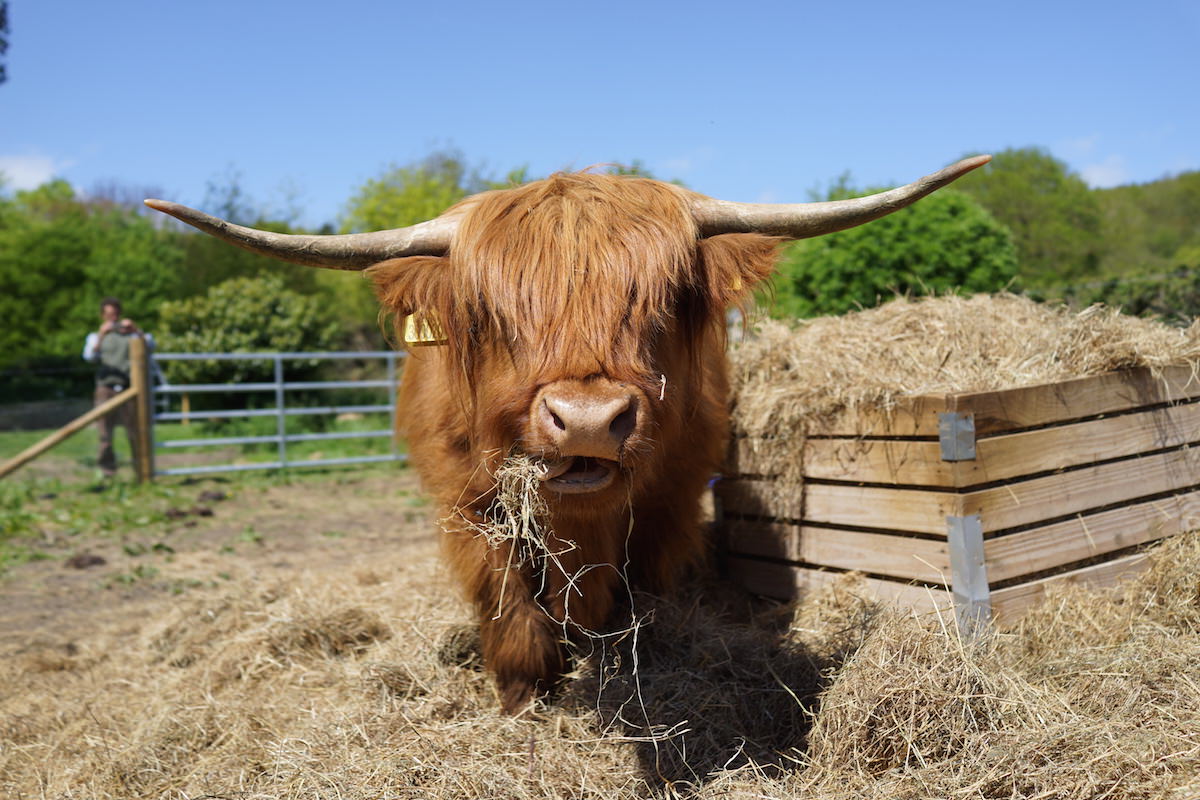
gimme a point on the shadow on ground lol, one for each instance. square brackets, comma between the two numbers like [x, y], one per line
[712, 680]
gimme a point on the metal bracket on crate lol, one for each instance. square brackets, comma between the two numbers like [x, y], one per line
[956, 434]
[968, 574]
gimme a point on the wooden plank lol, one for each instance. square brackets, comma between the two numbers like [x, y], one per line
[1022, 407]
[139, 379]
[912, 416]
[1029, 502]
[1013, 455]
[1009, 604]
[919, 463]
[1081, 538]
[847, 505]
[1082, 397]
[1015, 504]
[760, 498]
[896, 555]
[788, 582]
[904, 461]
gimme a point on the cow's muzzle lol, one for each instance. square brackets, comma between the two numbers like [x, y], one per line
[588, 425]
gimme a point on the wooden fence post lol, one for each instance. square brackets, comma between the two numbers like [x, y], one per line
[139, 376]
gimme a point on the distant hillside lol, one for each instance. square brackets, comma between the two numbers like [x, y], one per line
[1150, 227]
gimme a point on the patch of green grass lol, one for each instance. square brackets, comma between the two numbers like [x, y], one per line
[13, 554]
[39, 510]
[141, 572]
[250, 535]
[300, 452]
[36, 510]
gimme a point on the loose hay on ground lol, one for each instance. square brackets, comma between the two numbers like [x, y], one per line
[1095, 696]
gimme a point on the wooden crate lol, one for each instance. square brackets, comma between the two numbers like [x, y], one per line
[979, 502]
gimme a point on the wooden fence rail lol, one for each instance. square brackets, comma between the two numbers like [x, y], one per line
[138, 391]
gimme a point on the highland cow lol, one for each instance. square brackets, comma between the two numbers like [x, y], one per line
[579, 320]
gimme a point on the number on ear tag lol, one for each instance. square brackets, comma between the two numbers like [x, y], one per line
[429, 332]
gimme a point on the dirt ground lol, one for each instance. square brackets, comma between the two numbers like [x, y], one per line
[223, 532]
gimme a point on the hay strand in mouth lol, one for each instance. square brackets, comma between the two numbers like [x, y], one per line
[518, 515]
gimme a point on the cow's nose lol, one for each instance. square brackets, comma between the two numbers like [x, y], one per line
[587, 419]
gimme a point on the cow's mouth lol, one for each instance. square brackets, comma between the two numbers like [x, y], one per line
[579, 475]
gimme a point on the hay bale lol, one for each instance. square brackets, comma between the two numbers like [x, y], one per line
[917, 439]
[796, 379]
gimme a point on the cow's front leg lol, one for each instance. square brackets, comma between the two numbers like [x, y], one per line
[521, 645]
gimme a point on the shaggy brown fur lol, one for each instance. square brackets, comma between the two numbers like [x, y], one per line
[579, 277]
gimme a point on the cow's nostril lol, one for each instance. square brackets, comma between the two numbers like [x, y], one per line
[624, 423]
[556, 419]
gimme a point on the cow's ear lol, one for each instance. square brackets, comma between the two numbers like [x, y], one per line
[413, 286]
[407, 285]
[734, 264]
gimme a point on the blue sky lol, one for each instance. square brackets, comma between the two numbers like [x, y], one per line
[752, 101]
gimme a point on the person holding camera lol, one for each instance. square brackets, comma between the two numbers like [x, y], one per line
[108, 348]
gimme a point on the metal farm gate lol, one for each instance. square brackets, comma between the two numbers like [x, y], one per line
[162, 394]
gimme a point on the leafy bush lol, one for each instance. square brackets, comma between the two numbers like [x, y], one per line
[944, 242]
[243, 315]
[1174, 298]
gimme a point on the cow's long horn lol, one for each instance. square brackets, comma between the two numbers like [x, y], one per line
[802, 220]
[338, 251]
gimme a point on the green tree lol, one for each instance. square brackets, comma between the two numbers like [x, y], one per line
[243, 315]
[945, 242]
[4, 33]
[1053, 215]
[207, 261]
[412, 193]
[59, 255]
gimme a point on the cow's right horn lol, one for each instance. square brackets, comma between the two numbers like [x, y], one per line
[803, 220]
[337, 251]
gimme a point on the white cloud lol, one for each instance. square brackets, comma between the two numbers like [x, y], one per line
[28, 172]
[1107, 173]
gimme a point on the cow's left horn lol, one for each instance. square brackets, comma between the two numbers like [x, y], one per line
[340, 251]
[802, 220]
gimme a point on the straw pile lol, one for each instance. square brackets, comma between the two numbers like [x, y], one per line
[801, 376]
[791, 381]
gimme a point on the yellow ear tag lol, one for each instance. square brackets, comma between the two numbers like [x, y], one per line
[428, 333]
[737, 284]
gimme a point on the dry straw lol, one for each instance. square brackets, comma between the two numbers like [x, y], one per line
[810, 377]
[805, 375]
[327, 688]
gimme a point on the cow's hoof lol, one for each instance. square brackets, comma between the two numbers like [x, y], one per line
[517, 696]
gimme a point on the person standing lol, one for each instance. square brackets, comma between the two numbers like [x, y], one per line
[108, 348]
